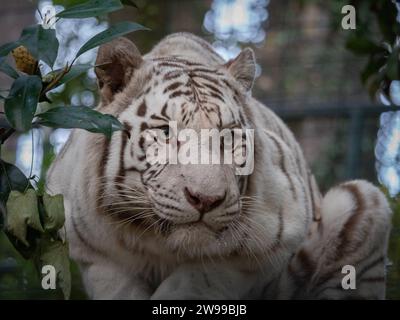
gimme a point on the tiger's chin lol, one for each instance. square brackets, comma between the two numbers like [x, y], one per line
[197, 240]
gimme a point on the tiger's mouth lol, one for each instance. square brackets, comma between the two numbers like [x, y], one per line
[188, 232]
[194, 224]
[197, 239]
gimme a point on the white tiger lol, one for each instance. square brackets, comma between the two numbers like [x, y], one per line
[141, 231]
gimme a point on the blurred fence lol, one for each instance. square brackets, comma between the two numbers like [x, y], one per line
[357, 116]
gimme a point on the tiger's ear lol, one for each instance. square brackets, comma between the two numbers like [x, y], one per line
[243, 68]
[116, 62]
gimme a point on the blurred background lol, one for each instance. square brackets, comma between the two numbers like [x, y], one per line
[305, 74]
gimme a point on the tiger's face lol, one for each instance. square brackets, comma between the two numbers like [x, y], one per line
[192, 208]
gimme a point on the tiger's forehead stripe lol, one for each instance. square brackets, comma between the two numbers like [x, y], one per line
[198, 84]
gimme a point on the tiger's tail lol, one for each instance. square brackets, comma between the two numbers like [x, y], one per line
[344, 257]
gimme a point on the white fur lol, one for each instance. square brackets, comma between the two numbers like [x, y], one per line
[191, 263]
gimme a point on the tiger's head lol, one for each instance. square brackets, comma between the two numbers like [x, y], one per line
[189, 208]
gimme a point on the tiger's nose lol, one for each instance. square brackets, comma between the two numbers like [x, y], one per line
[203, 203]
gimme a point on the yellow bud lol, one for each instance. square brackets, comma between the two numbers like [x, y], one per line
[24, 60]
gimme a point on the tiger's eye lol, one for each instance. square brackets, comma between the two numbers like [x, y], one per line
[165, 130]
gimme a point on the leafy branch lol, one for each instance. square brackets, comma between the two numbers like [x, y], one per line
[31, 219]
[377, 39]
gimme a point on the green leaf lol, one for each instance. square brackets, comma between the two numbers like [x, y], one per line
[54, 217]
[11, 178]
[67, 3]
[20, 105]
[375, 63]
[54, 252]
[385, 13]
[48, 46]
[111, 33]
[129, 3]
[22, 211]
[5, 49]
[7, 69]
[90, 8]
[74, 72]
[360, 44]
[41, 43]
[393, 66]
[80, 117]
